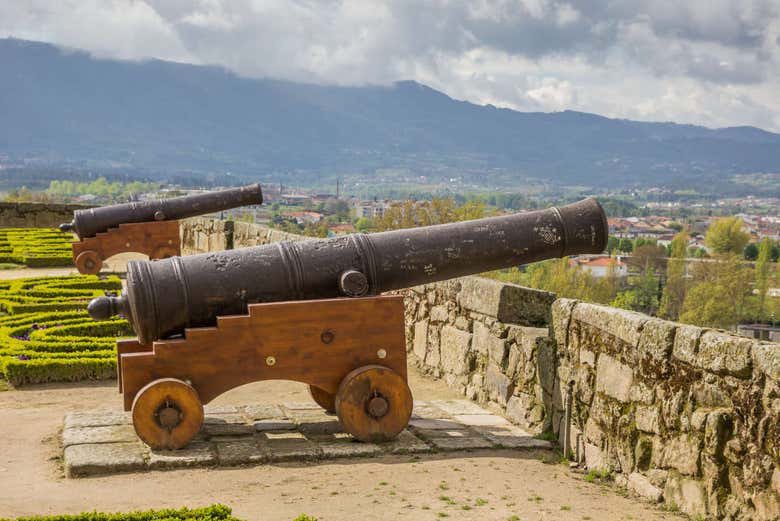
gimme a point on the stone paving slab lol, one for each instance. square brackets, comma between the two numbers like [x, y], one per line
[104, 442]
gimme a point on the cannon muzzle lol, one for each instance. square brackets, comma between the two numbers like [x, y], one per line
[165, 297]
[90, 222]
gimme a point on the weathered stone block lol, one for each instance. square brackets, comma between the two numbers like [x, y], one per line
[767, 505]
[262, 412]
[725, 354]
[587, 358]
[681, 453]
[196, 454]
[687, 494]
[485, 343]
[642, 393]
[439, 314]
[458, 443]
[656, 341]
[595, 458]
[103, 458]
[613, 378]
[648, 419]
[420, 344]
[561, 313]
[103, 434]
[96, 419]
[514, 363]
[498, 386]
[227, 429]
[686, 343]
[288, 446]
[766, 358]
[512, 438]
[271, 424]
[454, 350]
[518, 408]
[620, 323]
[640, 485]
[506, 302]
[348, 447]
[240, 452]
[547, 362]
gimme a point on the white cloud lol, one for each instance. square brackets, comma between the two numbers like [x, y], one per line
[712, 62]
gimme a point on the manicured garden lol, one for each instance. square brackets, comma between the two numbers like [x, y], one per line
[46, 334]
[35, 247]
[212, 513]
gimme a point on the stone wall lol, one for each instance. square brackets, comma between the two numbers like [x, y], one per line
[488, 340]
[679, 413]
[676, 413]
[200, 235]
[36, 215]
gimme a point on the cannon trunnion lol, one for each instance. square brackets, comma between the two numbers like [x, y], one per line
[309, 311]
[148, 227]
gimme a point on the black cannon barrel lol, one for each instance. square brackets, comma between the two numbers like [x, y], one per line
[88, 223]
[164, 297]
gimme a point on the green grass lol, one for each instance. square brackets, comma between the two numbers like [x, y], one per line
[212, 513]
[10, 266]
[547, 436]
[598, 475]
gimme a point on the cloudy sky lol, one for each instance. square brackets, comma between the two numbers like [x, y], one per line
[710, 62]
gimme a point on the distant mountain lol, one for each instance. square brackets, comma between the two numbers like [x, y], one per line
[65, 106]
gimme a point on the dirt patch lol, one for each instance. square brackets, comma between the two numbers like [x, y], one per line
[477, 485]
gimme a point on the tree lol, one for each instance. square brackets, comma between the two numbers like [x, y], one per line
[750, 252]
[674, 291]
[762, 275]
[626, 245]
[363, 224]
[726, 236]
[719, 294]
[648, 256]
[612, 243]
[643, 296]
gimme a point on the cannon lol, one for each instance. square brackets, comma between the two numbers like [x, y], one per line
[148, 227]
[309, 311]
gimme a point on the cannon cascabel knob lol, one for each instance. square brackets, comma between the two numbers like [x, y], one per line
[103, 308]
[66, 227]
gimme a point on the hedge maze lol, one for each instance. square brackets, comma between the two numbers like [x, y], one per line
[46, 334]
[36, 247]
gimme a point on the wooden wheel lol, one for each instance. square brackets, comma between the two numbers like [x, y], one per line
[167, 413]
[89, 262]
[374, 403]
[163, 252]
[323, 398]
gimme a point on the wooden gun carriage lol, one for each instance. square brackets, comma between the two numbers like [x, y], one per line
[309, 311]
[148, 227]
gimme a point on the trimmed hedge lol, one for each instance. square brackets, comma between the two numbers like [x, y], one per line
[47, 335]
[212, 513]
[36, 247]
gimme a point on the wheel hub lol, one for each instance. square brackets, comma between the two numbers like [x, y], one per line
[168, 415]
[377, 406]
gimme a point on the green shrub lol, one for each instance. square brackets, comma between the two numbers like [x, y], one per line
[212, 513]
[36, 247]
[48, 336]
